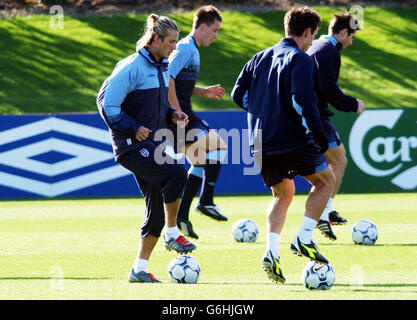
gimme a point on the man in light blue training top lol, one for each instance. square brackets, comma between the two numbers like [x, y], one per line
[276, 88]
[203, 148]
[133, 101]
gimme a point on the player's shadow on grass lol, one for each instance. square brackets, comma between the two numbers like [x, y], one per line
[395, 245]
[375, 245]
[358, 287]
[389, 287]
[369, 287]
[385, 285]
[55, 278]
[362, 288]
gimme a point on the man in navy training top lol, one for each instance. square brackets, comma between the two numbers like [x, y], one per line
[276, 88]
[133, 101]
[202, 147]
[325, 53]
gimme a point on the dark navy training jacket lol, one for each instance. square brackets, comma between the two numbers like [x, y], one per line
[135, 94]
[325, 53]
[276, 87]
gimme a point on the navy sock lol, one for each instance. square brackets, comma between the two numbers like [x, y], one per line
[211, 173]
[191, 188]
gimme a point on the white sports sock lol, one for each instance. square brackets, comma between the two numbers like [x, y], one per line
[272, 241]
[306, 231]
[172, 232]
[327, 210]
[140, 265]
[325, 215]
[329, 204]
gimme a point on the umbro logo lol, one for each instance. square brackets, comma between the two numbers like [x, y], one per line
[54, 156]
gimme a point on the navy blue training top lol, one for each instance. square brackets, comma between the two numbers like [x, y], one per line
[135, 94]
[276, 87]
[325, 53]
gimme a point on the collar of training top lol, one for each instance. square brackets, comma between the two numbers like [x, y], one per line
[290, 41]
[148, 56]
[332, 40]
[195, 43]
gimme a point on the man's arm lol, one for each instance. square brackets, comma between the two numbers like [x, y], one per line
[212, 92]
[177, 61]
[328, 66]
[240, 90]
[114, 94]
[302, 92]
[361, 106]
[304, 99]
[179, 117]
[172, 95]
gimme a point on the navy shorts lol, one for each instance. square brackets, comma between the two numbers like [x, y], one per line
[331, 133]
[195, 130]
[303, 161]
[158, 183]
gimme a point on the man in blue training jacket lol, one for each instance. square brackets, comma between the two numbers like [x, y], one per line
[133, 101]
[202, 147]
[325, 53]
[276, 88]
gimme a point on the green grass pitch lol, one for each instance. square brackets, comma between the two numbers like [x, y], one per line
[83, 249]
[65, 67]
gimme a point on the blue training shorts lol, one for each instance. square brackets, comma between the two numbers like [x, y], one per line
[303, 161]
[331, 133]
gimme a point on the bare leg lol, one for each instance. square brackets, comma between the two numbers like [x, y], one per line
[204, 153]
[146, 246]
[322, 182]
[336, 157]
[171, 210]
[196, 152]
[318, 197]
[283, 193]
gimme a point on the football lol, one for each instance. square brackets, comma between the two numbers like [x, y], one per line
[184, 269]
[245, 230]
[317, 276]
[364, 232]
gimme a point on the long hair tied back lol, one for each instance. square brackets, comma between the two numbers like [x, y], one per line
[155, 25]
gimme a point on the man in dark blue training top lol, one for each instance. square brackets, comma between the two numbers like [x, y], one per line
[133, 101]
[276, 88]
[202, 147]
[325, 53]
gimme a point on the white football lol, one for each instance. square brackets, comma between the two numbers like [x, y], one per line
[317, 276]
[364, 232]
[184, 269]
[245, 230]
